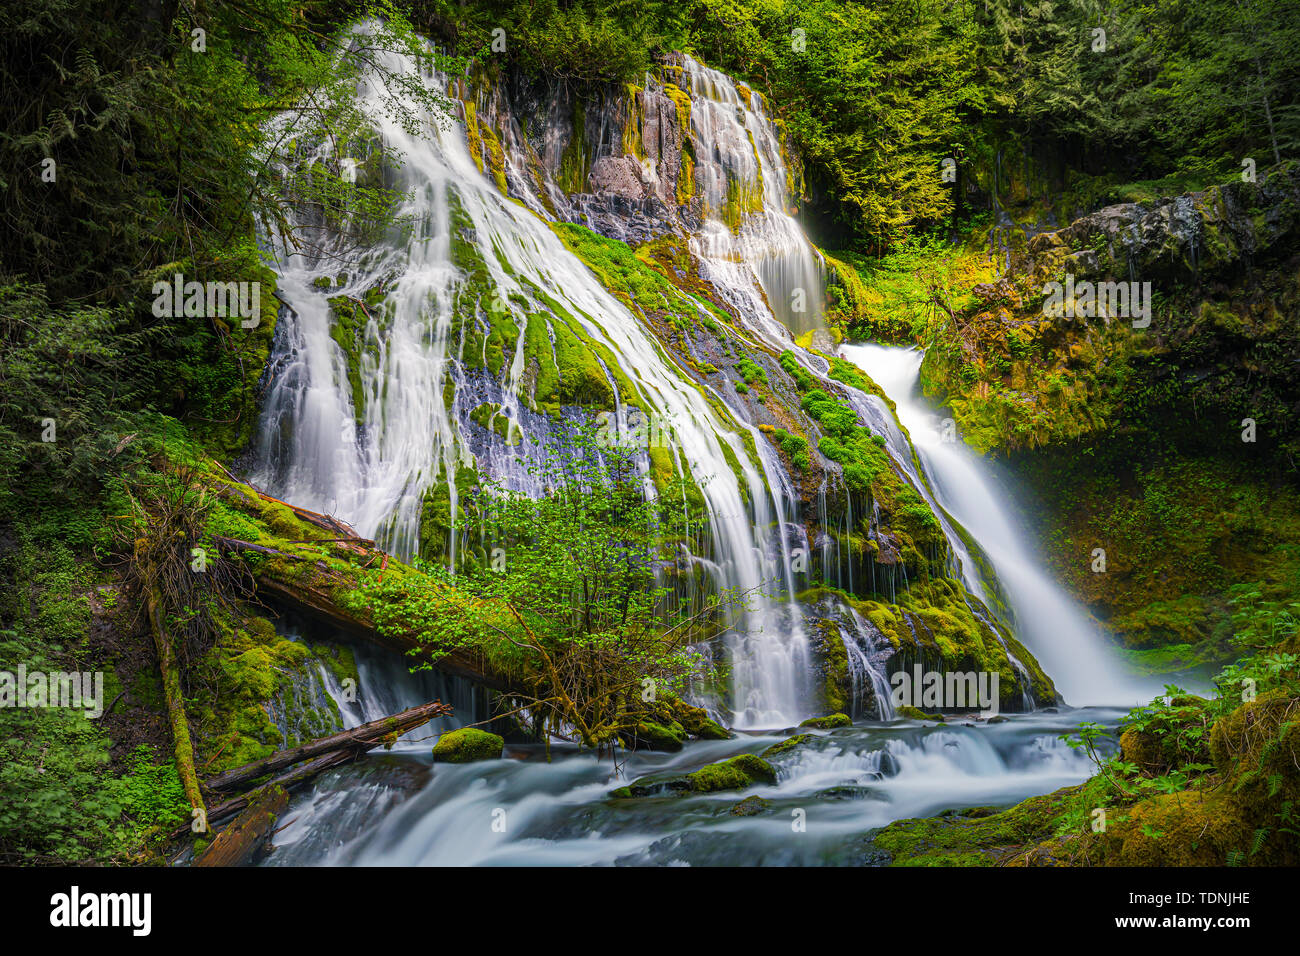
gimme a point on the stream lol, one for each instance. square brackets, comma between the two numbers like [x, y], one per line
[403, 810]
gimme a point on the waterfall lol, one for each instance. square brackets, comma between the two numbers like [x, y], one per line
[749, 241]
[373, 466]
[970, 499]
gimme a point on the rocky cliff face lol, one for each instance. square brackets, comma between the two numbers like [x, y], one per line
[1208, 286]
[1220, 233]
[479, 340]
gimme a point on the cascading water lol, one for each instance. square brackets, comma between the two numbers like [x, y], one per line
[1066, 644]
[560, 814]
[369, 442]
[750, 243]
[376, 474]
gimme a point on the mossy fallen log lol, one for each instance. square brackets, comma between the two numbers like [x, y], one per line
[360, 738]
[294, 778]
[317, 590]
[238, 842]
[183, 746]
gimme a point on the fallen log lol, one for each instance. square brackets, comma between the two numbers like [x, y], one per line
[182, 745]
[241, 839]
[313, 589]
[362, 737]
[309, 586]
[234, 544]
[326, 522]
[294, 778]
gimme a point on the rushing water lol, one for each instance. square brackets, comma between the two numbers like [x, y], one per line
[739, 163]
[1066, 642]
[401, 809]
[375, 475]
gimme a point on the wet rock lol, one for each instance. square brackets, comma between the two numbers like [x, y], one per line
[751, 807]
[737, 773]
[829, 722]
[466, 745]
[915, 713]
[785, 746]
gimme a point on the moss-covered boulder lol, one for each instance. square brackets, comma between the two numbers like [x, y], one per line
[787, 745]
[751, 807]
[829, 722]
[466, 745]
[734, 774]
[915, 713]
[697, 722]
[666, 737]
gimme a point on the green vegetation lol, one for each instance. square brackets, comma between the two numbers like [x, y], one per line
[466, 745]
[139, 145]
[1195, 782]
[573, 606]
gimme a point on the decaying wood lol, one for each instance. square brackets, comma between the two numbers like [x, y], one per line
[309, 586]
[327, 522]
[183, 747]
[234, 544]
[311, 589]
[362, 738]
[294, 778]
[238, 842]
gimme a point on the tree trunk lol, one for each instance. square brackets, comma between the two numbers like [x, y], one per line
[311, 588]
[296, 777]
[171, 678]
[238, 842]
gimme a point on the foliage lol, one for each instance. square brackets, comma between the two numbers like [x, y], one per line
[576, 588]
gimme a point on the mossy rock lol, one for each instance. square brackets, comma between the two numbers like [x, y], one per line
[787, 745]
[734, 774]
[916, 713]
[977, 836]
[751, 807]
[466, 745]
[829, 722]
[697, 722]
[666, 737]
[737, 773]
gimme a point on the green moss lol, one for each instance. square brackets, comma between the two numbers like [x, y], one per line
[466, 745]
[751, 807]
[496, 161]
[575, 164]
[490, 416]
[734, 774]
[786, 746]
[980, 836]
[934, 621]
[354, 325]
[915, 713]
[654, 736]
[255, 672]
[795, 448]
[829, 722]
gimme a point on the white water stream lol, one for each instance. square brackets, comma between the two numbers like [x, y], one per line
[1066, 642]
[375, 476]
